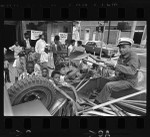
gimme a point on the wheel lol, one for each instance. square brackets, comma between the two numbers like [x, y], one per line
[35, 87]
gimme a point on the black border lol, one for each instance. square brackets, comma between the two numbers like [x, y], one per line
[75, 126]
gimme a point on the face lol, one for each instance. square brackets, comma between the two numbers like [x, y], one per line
[124, 49]
[63, 71]
[56, 78]
[22, 59]
[73, 43]
[26, 36]
[30, 68]
[16, 44]
[42, 37]
[44, 73]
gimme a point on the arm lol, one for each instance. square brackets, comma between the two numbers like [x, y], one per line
[131, 67]
[12, 48]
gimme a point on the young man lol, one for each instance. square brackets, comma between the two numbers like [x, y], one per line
[26, 43]
[71, 47]
[16, 48]
[40, 48]
[31, 55]
[6, 71]
[126, 71]
[56, 47]
[79, 47]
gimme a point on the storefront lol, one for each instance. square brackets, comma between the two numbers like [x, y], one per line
[50, 29]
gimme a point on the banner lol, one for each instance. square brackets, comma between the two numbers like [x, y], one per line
[63, 37]
[35, 34]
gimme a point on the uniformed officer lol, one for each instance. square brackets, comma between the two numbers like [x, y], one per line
[126, 71]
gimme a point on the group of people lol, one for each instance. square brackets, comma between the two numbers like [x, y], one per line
[38, 61]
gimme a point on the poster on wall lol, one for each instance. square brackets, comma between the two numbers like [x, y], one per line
[63, 37]
[35, 34]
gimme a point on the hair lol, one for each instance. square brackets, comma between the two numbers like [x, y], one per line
[54, 73]
[30, 62]
[57, 38]
[45, 68]
[72, 41]
[79, 42]
[26, 33]
[59, 66]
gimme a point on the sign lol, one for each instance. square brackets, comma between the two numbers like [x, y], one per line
[63, 37]
[35, 34]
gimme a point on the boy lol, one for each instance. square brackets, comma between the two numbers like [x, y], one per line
[29, 70]
[31, 55]
[6, 71]
[45, 72]
[20, 65]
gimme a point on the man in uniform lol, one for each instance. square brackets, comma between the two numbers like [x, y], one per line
[126, 71]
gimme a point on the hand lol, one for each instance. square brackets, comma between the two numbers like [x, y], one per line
[110, 64]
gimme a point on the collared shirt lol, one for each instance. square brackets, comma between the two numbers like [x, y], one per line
[26, 75]
[40, 46]
[16, 50]
[28, 46]
[127, 67]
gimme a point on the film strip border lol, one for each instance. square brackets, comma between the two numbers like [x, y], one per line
[72, 13]
[75, 126]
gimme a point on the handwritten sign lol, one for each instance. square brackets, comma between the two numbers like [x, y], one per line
[63, 37]
[35, 34]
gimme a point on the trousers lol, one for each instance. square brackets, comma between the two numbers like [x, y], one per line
[113, 85]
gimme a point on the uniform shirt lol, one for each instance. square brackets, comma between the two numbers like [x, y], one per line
[37, 69]
[40, 46]
[16, 50]
[127, 67]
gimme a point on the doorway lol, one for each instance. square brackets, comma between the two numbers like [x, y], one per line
[137, 37]
[9, 35]
[87, 35]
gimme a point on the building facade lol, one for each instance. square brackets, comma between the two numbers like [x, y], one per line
[137, 31]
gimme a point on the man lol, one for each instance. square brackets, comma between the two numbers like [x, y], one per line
[26, 43]
[16, 48]
[56, 48]
[126, 71]
[71, 47]
[40, 48]
[79, 47]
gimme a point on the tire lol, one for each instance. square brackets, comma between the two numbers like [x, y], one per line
[36, 84]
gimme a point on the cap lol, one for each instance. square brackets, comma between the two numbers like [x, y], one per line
[125, 41]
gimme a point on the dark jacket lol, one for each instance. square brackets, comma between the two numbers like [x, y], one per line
[127, 67]
[23, 43]
[59, 48]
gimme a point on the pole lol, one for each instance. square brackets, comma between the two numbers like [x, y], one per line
[102, 38]
[108, 32]
[114, 101]
[133, 29]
